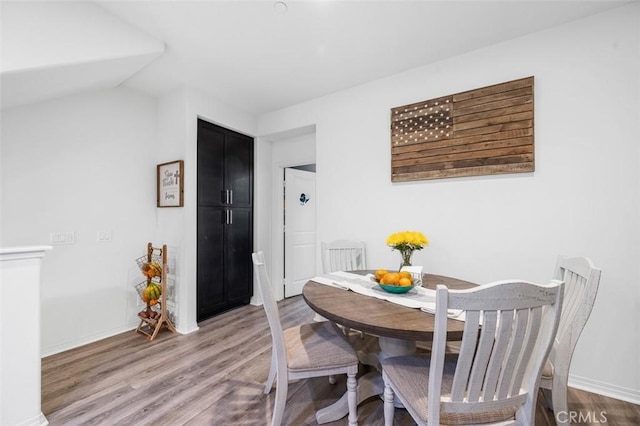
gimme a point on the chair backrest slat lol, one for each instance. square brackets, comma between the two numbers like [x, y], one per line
[573, 294]
[512, 356]
[482, 355]
[465, 360]
[503, 339]
[527, 352]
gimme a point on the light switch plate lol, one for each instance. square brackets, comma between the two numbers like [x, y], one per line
[58, 238]
[104, 236]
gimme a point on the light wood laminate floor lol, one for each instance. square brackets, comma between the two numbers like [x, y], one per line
[215, 376]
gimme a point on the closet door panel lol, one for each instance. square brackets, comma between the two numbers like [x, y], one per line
[211, 142]
[211, 265]
[238, 256]
[238, 169]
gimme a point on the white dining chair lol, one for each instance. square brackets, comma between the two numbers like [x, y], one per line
[508, 332]
[581, 279]
[343, 255]
[308, 350]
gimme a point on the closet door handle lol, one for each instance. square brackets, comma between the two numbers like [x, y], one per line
[231, 196]
[230, 217]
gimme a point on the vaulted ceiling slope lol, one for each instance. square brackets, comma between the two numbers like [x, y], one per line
[257, 56]
[52, 49]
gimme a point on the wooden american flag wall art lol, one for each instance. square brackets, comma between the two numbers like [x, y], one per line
[483, 131]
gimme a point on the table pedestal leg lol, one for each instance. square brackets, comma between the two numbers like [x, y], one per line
[390, 347]
[368, 385]
[371, 383]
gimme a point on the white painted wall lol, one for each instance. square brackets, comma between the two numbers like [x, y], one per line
[263, 202]
[83, 164]
[583, 198]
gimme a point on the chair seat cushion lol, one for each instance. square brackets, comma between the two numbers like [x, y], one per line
[318, 346]
[410, 377]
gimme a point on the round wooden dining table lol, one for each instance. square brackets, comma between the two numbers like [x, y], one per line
[397, 327]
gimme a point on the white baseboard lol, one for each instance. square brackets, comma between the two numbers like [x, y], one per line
[39, 420]
[96, 337]
[190, 329]
[606, 389]
[65, 346]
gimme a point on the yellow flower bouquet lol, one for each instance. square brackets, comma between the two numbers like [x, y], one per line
[406, 242]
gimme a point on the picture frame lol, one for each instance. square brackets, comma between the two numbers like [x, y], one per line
[170, 181]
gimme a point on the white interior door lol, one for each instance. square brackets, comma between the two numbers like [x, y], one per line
[299, 229]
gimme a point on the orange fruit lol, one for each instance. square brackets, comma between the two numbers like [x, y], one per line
[381, 273]
[404, 282]
[391, 278]
[405, 274]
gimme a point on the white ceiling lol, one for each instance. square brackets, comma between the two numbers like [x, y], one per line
[249, 55]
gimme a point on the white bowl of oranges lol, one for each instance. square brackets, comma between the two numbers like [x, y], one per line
[394, 282]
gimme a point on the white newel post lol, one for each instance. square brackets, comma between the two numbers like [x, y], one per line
[20, 359]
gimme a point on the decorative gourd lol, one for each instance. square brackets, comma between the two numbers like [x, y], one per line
[151, 269]
[152, 292]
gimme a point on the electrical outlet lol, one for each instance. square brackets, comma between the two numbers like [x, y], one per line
[62, 238]
[104, 236]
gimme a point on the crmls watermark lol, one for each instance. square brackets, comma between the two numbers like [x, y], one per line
[592, 417]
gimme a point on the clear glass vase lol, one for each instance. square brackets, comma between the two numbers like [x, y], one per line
[406, 258]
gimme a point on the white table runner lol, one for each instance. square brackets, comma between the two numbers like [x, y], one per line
[418, 297]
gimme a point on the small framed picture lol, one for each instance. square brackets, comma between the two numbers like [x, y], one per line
[171, 184]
